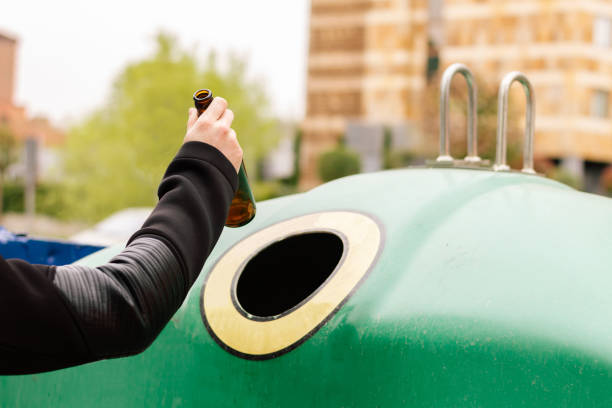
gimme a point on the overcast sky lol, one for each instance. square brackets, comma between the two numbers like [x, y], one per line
[70, 51]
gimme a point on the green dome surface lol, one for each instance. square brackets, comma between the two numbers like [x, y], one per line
[491, 289]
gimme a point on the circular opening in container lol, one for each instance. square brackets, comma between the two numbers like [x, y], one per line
[286, 273]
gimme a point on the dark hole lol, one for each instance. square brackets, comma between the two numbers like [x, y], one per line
[287, 272]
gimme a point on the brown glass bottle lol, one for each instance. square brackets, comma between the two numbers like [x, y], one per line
[242, 209]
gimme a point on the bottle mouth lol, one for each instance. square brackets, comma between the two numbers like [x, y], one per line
[202, 94]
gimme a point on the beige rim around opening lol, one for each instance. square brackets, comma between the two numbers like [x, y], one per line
[251, 338]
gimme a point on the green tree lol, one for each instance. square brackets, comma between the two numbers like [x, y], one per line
[116, 157]
[8, 156]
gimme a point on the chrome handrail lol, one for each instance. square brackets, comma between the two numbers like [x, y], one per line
[502, 116]
[472, 141]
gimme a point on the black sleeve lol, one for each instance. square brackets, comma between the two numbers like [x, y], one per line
[55, 317]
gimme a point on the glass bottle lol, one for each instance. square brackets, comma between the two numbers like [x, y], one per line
[242, 209]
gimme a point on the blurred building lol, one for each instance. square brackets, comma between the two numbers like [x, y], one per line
[370, 60]
[9, 113]
[565, 48]
[15, 117]
[366, 67]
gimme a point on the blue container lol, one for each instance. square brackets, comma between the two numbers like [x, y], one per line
[38, 251]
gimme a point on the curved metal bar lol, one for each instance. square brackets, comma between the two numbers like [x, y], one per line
[472, 142]
[502, 116]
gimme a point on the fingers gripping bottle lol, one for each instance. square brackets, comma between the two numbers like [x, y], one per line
[242, 209]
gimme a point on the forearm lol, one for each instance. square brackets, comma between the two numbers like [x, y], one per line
[119, 308]
[124, 304]
[195, 196]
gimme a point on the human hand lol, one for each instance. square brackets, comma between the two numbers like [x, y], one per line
[214, 127]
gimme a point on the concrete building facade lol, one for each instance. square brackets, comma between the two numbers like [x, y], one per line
[564, 47]
[8, 47]
[365, 66]
[10, 115]
[369, 61]
[16, 118]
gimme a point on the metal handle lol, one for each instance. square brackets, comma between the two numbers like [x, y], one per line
[472, 142]
[502, 116]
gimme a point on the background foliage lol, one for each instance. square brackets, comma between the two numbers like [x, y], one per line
[337, 163]
[116, 157]
[48, 198]
[9, 147]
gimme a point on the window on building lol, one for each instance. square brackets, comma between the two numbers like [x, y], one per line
[602, 32]
[599, 104]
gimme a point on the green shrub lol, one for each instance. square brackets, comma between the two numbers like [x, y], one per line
[12, 199]
[48, 199]
[398, 159]
[337, 163]
[565, 177]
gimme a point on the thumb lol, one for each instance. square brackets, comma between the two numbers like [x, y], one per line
[193, 117]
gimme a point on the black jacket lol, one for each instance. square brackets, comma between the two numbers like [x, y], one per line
[54, 317]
